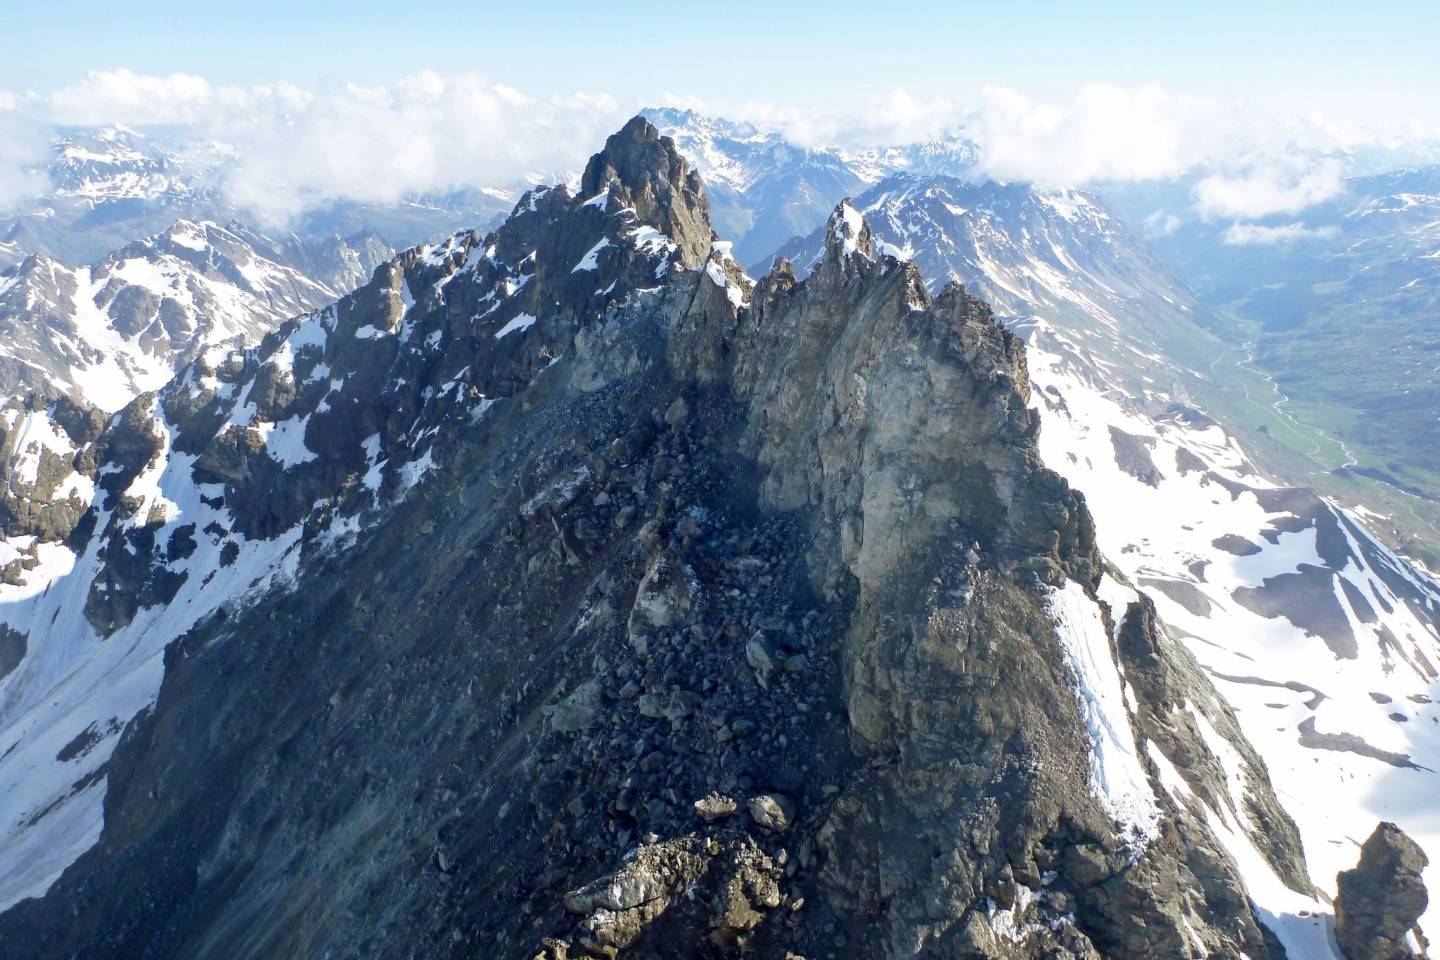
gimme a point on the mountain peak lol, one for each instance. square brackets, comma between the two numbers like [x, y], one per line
[847, 234]
[645, 171]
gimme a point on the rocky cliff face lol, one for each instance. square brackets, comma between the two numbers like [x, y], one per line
[1380, 900]
[1324, 641]
[564, 592]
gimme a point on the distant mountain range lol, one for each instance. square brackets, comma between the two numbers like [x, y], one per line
[114, 185]
[764, 190]
[124, 326]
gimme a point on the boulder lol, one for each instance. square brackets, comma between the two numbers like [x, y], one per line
[1379, 901]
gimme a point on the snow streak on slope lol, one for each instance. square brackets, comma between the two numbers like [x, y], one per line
[110, 332]
[67, 702]
[1116, 770]
[1323, 641]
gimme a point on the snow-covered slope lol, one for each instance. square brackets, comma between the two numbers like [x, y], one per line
[1324, 641]
[110, 332]
[1058, 253]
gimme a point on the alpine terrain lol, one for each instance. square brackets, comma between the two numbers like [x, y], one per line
[105, 187]
[109, 332]
[1325, 642]
[565, 592]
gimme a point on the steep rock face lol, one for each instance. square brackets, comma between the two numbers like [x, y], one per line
[1380, 900]
[616, 604]
[1325, 642]
[658, 183]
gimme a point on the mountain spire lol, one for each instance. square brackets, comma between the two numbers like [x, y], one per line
[645, 170]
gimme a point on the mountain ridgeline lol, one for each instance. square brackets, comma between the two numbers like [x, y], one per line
[564, 592]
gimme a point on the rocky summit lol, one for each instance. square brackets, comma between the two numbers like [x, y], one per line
[564, 592]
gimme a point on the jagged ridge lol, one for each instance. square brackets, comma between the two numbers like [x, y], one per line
[806, 500]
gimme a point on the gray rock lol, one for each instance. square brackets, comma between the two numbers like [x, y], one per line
[715, 807]
[762, 655]
[773, 811]
[1379, 901]
[579, 710]
[677, 413]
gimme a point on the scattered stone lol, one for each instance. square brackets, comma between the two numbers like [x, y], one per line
[715, 807]
[773, 811]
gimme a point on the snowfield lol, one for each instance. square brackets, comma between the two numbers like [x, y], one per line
[1341, 705]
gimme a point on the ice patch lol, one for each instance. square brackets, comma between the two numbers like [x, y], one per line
[285, 442]
[591, 260]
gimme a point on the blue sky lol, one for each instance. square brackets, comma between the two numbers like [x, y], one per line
[1350, 61]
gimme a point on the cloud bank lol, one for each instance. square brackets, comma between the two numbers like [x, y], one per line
[289, 150]
[1254, 234]
[1268, 188]
[24, 147]
[1107, 133]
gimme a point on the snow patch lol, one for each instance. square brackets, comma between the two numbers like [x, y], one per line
[1117, 774]
[521, 323]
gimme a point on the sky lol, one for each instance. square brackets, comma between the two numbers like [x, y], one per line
[371, 99]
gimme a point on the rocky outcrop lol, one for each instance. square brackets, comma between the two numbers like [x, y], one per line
[654, 180]
[1378, 902]
[734, 627]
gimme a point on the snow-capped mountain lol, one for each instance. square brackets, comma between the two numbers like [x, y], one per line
[215, 489]
[1325, 642]
[765, 190]
[112, 185]
[109, 187]
[465, 609]
[1056, 253]
[109, 332]
[117, 163]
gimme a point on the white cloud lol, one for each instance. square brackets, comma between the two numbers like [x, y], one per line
[292, 149]
[1274, 185]
[890, 118]
[429, 132]
[24, 148]
[125, 97]
[1246, 234]
[1161, 223]
[1108, 133]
